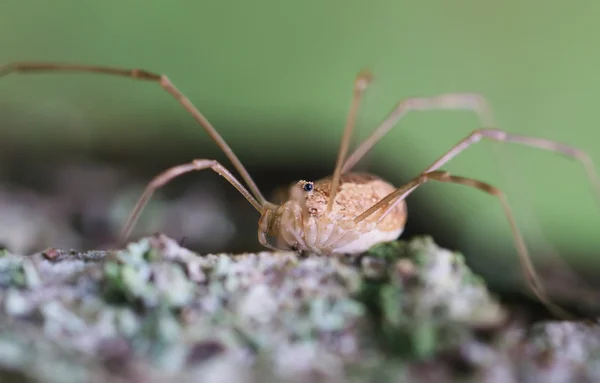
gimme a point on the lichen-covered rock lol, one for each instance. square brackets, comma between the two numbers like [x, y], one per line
[157, 312]
[562, 352]
[427, 298]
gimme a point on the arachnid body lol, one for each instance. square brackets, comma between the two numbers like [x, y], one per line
[347, 212]
[303, 221]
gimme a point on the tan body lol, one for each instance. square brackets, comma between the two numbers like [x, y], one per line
[364, 209]
[302, 221]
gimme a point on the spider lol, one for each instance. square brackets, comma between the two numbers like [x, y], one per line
[347, 212]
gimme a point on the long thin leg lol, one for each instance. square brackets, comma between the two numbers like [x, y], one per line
[531, 275]
[452, 101]
[168, 175]
[360, 85]
[535, 142]
[139, 74]
[479, 105]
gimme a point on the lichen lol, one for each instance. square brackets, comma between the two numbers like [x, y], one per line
[156, 311]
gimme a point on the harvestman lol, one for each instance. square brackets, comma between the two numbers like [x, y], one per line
[346, 212]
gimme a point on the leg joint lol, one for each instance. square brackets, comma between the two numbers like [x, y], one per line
[145, 75]
[202, 164]
[492, 133]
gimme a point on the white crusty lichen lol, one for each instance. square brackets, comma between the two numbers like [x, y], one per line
[156, 311]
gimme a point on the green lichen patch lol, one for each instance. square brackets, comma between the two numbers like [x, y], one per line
[424, 299]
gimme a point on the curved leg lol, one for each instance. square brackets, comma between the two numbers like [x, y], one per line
[171, 173]
[479, 105]
[441, 176]
[535, 142]
[263, 229]
[139, 74]
[452, 101]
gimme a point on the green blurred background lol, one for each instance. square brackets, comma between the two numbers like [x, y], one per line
[275, 78]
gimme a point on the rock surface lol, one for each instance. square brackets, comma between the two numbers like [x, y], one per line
[157, 312]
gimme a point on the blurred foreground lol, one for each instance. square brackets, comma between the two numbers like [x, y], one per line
[156, 312]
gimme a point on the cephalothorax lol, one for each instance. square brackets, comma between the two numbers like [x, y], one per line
[347, 212]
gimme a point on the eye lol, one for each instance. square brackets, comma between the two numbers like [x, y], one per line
[308, 186]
